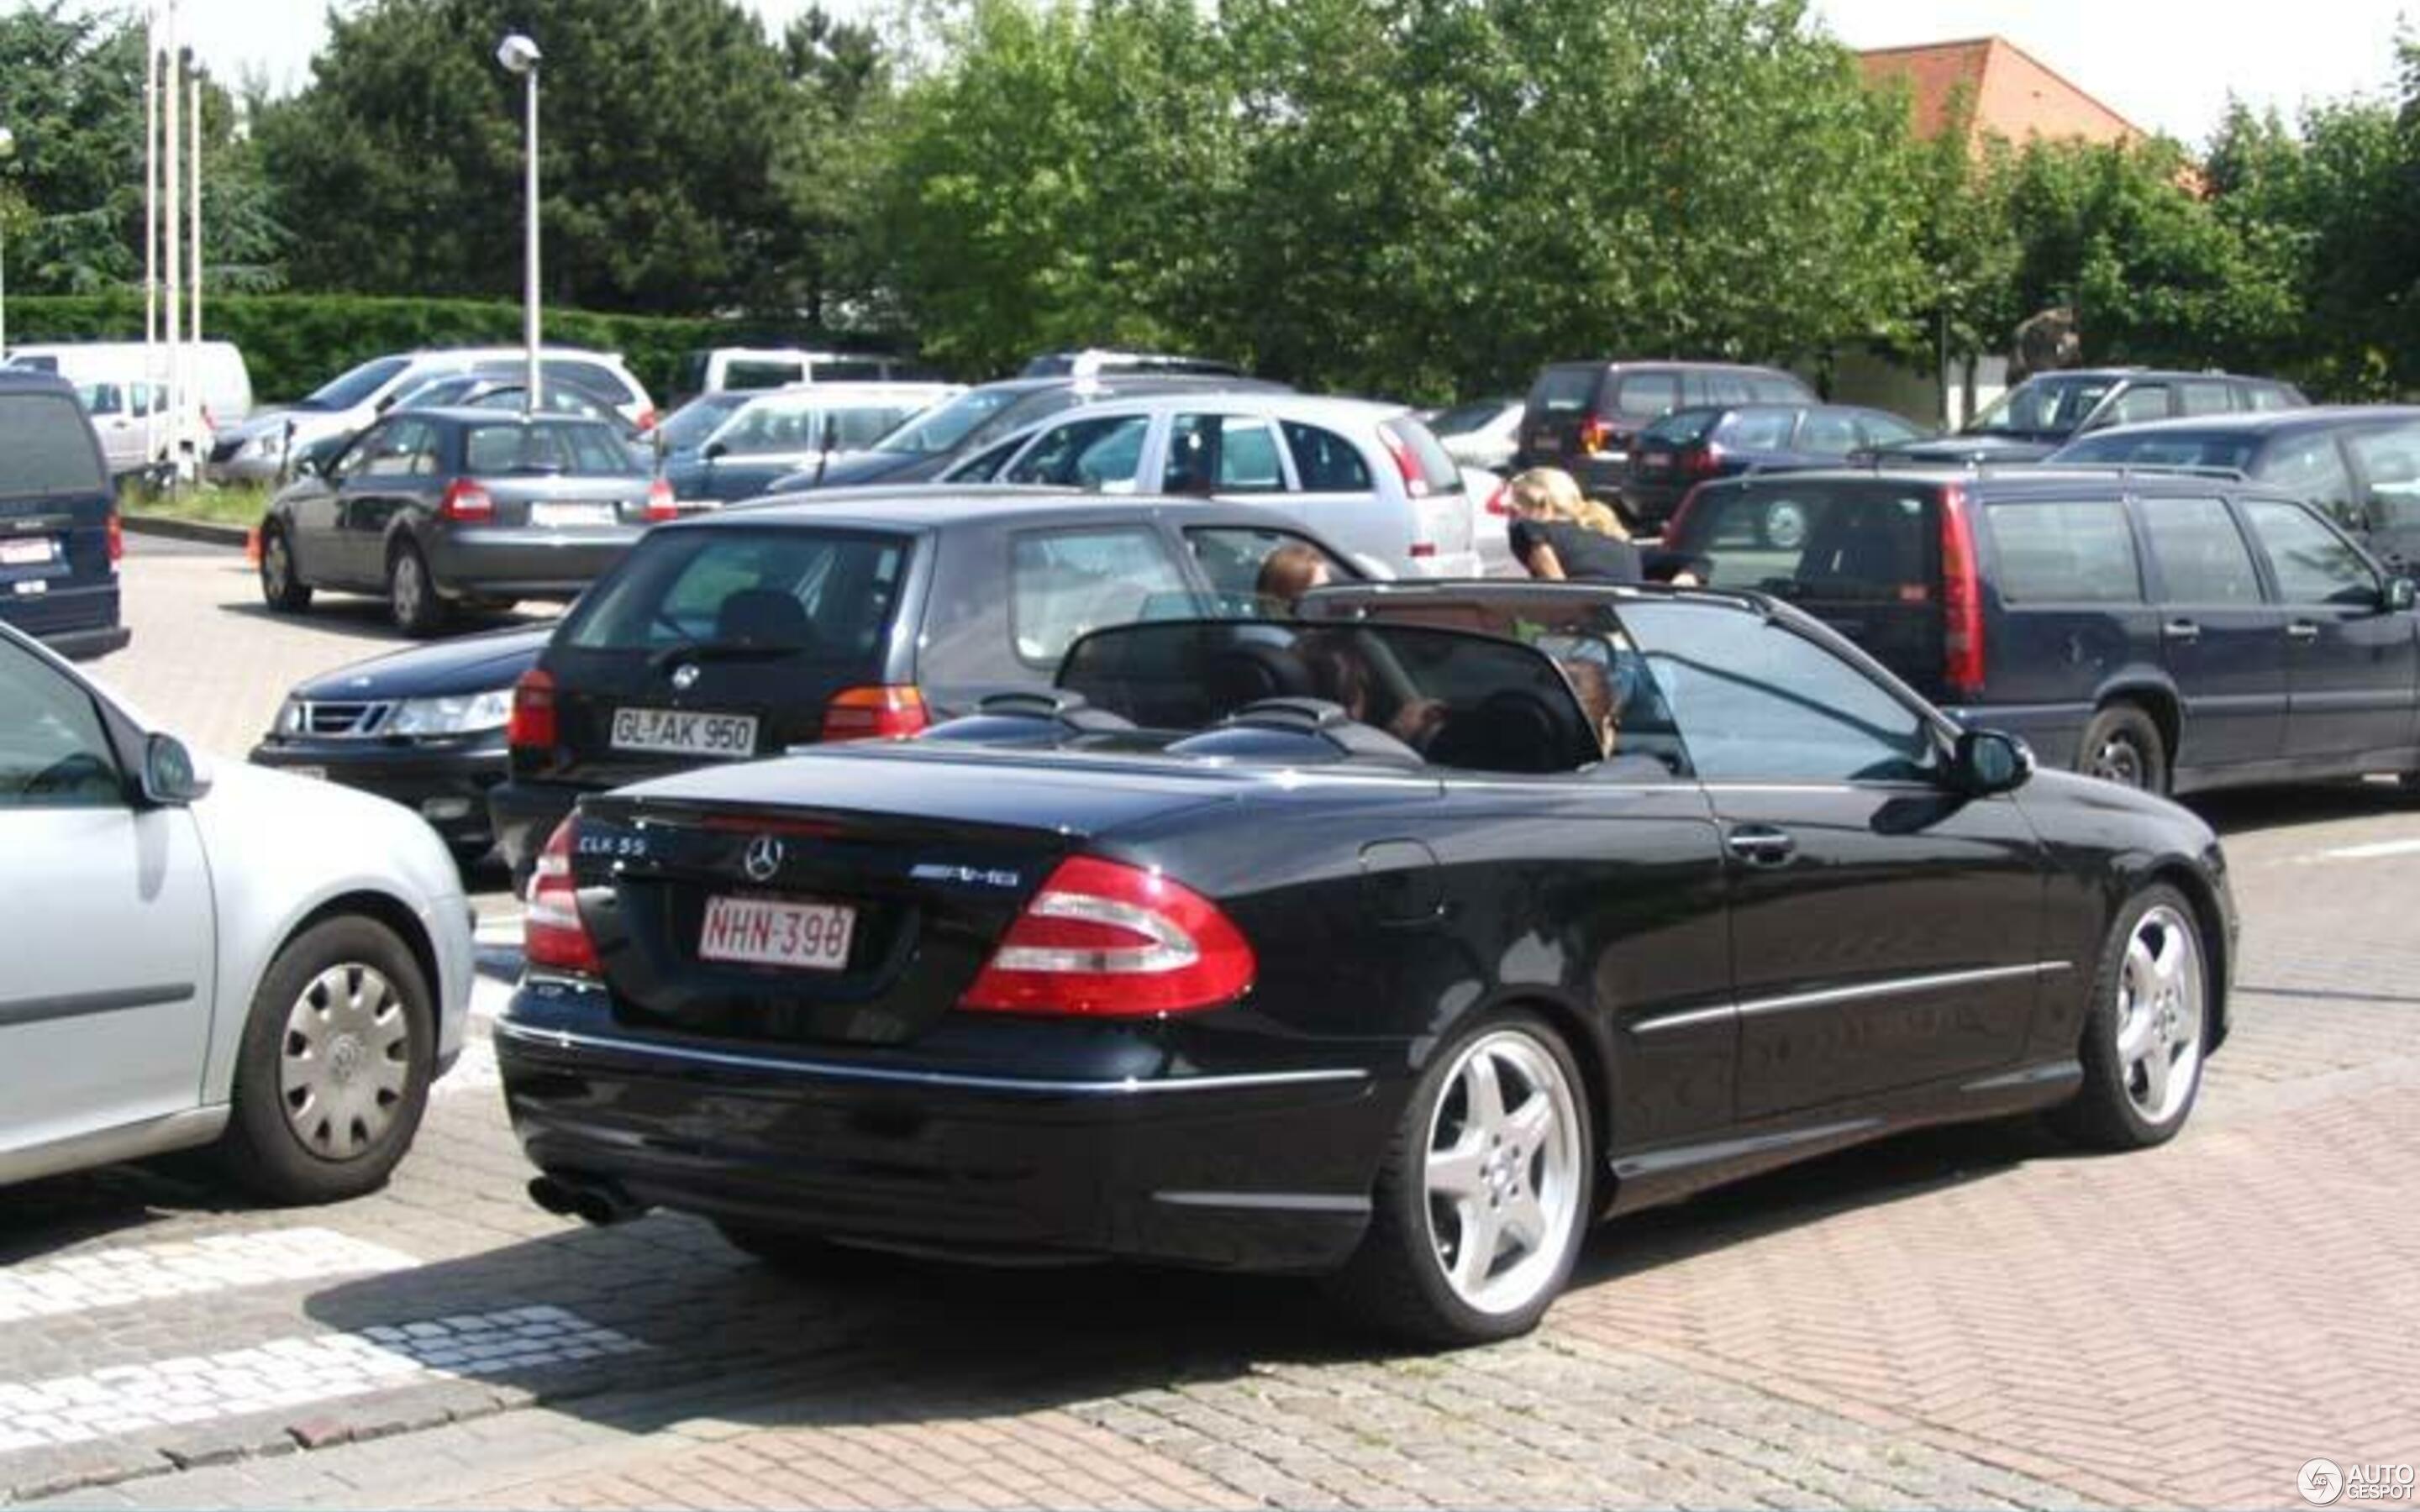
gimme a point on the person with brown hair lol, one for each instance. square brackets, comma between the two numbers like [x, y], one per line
[1287, 573]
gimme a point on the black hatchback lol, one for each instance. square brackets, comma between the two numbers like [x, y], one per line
[869, 614]
[2168, 631]
[59, 530]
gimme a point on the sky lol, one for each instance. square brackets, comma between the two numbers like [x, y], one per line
[2166, 65]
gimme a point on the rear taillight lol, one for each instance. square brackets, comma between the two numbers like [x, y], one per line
[1703, 461]
[466, 503]
[1106, 940]
[876, 713]
[662, 504]
[117, 537]
[532, 722]
[1598, 434]
[1499, 501]
[1415, 482]
[1962, 599]
[553, 936]
[1423, 549]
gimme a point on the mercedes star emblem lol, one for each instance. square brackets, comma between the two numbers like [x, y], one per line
[685, 676]
[763, 859]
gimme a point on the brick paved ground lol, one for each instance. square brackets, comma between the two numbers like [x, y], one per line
[1977, 1319]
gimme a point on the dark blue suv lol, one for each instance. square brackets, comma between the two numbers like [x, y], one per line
[59, 541]
[2169, 630]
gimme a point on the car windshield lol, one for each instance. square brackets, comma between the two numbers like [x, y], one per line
[1473, 702]
[686, 429]
[571, 446]
[2041, 407]
[940, 430]
[355, 386]
[2163, 449]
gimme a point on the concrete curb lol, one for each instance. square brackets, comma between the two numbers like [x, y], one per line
[187, 530]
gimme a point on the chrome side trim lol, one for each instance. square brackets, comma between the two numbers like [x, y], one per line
[1719, 1013]
[78, 1004]
[1266, 1201]
[567, 1040]
[1901, 986]
[107, 1146]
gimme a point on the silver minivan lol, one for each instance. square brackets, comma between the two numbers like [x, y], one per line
[1370, 477]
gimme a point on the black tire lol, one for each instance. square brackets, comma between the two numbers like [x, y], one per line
[2123, 745]
[1396, 1282]
[802, 1255]
[2106, 1112]
[263, 1148]
[282, 587]
[413, 600]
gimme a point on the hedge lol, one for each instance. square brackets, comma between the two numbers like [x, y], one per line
[293, 343]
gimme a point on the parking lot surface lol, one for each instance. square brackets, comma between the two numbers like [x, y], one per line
[1979, 1318]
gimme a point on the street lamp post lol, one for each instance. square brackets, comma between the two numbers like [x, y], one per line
[8, 149]
[518, 55]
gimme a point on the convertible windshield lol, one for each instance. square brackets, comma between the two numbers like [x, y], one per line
[2041, 407]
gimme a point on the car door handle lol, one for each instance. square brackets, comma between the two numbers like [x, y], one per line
[2301, 630]
[2183, 630]
[1761, 845]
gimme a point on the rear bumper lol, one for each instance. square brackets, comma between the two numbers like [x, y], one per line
[445, 785]
[1268, 1172]
[525, 564]
[75, 622]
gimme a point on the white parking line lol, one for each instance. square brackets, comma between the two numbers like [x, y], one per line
[117, 1278]
[2372, 852]
[312, 1368]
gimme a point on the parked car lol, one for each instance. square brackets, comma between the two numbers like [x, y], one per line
[216, 372]
[923, 447]
[1585, 417]
[1402, 979]
[274, 968]
[1689, 446]
[1369, 476]
[747, 369]
[2170, 632]
[772, 434]
[2359, 463]
[1096, 362]
[423, 727]
[747, 632]
[436, 508]
[1484, 433]
[262, 449]
[2040, 415]
[59, 529]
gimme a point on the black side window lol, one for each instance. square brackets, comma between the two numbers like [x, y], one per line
[2065, 554]
[1325, 461]
[2313, 564]
[2201, 554]
[1646, 395]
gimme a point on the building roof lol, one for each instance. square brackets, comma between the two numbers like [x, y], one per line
[2009, 91]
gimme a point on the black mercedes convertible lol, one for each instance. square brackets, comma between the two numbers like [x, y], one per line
[1394, 942]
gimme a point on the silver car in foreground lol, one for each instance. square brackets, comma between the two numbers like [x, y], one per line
[270, 965]
[1369, 477]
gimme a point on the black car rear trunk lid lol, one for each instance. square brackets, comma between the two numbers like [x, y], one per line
[715, 898]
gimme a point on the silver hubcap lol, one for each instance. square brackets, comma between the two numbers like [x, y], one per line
[2160, 1014]
[2118, 759]
[408, 587]
[345, 1063]
[274, 566]
[1503, 1172]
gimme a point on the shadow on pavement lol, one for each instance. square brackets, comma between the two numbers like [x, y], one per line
[362, 618]
[2252, 810]
[60, 1212]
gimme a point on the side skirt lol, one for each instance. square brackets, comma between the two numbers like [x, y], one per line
[107, 1146]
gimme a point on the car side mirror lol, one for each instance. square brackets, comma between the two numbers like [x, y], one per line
[2401, 594]
[714, 450]
[1988, 762]
[170, 778]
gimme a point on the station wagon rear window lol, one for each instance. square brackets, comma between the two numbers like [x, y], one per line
[2065, 554]
[1852, 542]
[46, 447]
[545, 446]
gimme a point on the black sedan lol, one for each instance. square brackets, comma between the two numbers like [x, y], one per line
[423, 727]
[1354, 945]
[441, 509]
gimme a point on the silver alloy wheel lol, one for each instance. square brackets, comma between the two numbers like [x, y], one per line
[344, 1062]
[411, 588]
[277, 565]
[1503, 1172]
[2160, 1009]
[1785, 527]
[2119, 759]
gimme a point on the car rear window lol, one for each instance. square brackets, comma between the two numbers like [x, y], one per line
[1645, 396]
[1683, 427]
[824, 596]
[1837, 542]
[2164, 449]
[2078, 552]
[46, 447]
[545, 446]
[1564, 390]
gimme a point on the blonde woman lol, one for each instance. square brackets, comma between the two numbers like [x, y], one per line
[1559, 534]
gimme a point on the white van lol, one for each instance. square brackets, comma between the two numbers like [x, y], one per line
[127, 396]
[258, 450]
[717, 369]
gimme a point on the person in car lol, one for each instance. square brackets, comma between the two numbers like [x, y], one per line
[1594, 690]
[1290, 571]
[1559, 533]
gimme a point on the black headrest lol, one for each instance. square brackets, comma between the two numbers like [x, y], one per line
[763, 617]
